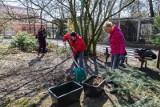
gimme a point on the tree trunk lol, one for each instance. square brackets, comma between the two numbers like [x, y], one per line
[94, 48]
[151, 8]
[29, 19]
[41, 17]
[4, 33]
[158, 61]
[35, 27]
[91, 19]
[53, 29]
[119, 15]
[159, 9]
[89, 45]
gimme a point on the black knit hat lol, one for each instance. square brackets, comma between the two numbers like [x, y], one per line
[74, 34]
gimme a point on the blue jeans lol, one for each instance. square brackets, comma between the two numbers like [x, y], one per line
[122, 59]
[115, 60]
[79, 57]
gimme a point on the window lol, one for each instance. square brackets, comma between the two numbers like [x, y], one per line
[23, 28]
[33, 29]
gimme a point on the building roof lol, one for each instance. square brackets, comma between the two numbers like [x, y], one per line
[148, 20]
[16, 10]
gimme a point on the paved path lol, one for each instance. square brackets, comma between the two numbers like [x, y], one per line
[100, 48]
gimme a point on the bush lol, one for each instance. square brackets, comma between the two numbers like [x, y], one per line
[157, 22]
[51, 46]
[63, 50]
[69, 26]
[155, 39]
[25, 42]
[4, 47]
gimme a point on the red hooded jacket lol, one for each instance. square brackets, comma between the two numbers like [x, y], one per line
[116, 40]
[78, 45]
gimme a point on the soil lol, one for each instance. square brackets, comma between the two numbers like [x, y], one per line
[24, 74]
[25, 80]
[95, 81]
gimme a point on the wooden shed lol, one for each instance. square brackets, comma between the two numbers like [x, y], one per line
[134, 28]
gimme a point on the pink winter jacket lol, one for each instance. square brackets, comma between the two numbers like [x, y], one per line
[116, 40]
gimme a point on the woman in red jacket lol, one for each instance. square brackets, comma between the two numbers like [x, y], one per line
[77, 45]
[116, 41]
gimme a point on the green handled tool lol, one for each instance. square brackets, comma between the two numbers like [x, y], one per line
[79, 73]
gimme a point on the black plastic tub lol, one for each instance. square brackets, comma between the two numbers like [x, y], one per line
[91, 90]
[65, 94]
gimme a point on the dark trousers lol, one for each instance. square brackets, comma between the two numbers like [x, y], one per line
[79, 58]
[42, 46]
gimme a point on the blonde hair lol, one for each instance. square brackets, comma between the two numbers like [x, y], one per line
[107, 24]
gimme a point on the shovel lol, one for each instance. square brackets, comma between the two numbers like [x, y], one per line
[79, 73]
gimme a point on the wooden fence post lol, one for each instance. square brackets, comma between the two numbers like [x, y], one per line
[158, 61]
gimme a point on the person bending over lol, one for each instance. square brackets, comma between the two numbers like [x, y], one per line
[78, 46]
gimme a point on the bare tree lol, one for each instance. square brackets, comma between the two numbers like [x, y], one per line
[89, 16]
[30, 13]
[119, 15]
[156, 7]
[41, 4]
[151, 8]
[138, 9]
[3, 24]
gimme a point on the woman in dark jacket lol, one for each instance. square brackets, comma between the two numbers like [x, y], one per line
[42, 40]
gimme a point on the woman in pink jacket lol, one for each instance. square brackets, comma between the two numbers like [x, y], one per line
[116, 41]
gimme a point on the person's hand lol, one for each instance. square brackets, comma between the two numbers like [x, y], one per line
[64, 43]
[71, 54]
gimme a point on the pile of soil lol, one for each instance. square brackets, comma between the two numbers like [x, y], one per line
[68, 78]
[95, 81]
[62, 79]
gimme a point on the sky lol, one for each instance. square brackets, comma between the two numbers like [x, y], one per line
[12, 2]
[16, 3]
